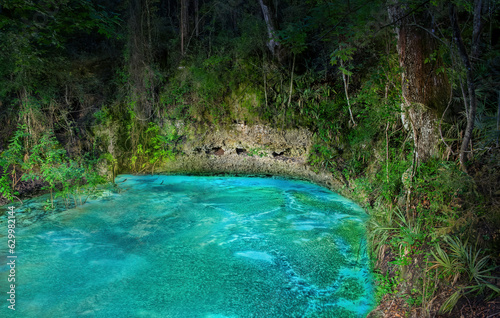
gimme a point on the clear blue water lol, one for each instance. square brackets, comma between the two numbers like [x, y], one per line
[183, 246]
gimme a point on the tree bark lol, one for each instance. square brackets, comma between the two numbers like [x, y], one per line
[477, 28]
[425, 92]
[140, 58]
[270, 24]
[184, 24]
[196, 16]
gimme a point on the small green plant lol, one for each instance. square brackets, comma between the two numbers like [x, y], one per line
[63, 177]
[450, 267]
[381, 226]
[409, 233]
[157, 146]
[111, 161]
[160, 145]
[12, 162]
[256, 152]
[6, 188]
[139, 153]
[466, 262]
[322, 156]
[46, 163]
[103, 116]
[385, 285]
[415, 298]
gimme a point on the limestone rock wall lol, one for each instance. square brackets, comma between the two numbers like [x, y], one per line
[249, 149]
[241, 139]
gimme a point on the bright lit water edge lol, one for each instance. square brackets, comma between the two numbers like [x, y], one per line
[183, 246]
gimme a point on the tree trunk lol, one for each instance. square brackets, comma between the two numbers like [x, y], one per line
[478, 27]
[196, 17]
[140, 57]
[470, 84]
[425, 92]
[184, 24]
[267, 11]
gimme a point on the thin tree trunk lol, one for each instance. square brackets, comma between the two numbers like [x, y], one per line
[470, 84]
[387, 150]
[265, 85]
[346, 90]
[271, 27]
[197, 22]
[464, 96]
[183, 26]
[477, 27]
[291, 83]
[498, 117]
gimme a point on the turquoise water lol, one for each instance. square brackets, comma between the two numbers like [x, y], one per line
[183, 246]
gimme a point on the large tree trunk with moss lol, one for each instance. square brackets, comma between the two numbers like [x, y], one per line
[425, 91]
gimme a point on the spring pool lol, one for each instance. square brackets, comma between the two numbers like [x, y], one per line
[184, 246]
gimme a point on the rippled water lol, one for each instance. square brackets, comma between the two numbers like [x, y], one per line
[183, 246]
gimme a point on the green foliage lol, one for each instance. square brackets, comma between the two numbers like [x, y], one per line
[464, 260]
[251, 42]
[389, 183]
[103, 116]
[173, 97]
[112, 162]
[158, 146]
[410, 233]
[256, 152]
[34, 37]
[323, 156]
[375, 106]
[395, 228]
[11, 161]
[47, 161]
[450, 267]
[343, 54]
[6, 188]
[442, 177]
[385, 285]
[294, 36]
[79, 181]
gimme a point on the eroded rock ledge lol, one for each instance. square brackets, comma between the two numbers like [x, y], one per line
[250, 149]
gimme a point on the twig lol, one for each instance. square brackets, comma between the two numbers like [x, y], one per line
[18, 199]
[390, 305]
[430, 32]
[387, 151]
